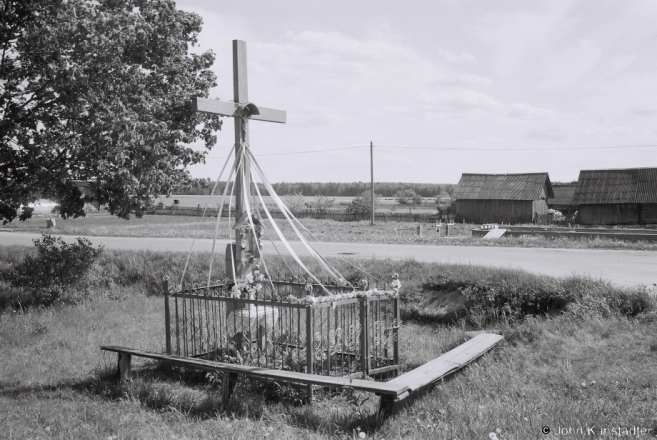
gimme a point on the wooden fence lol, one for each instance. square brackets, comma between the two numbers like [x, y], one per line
[330, 214]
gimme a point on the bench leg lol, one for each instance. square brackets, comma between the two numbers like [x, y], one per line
[309, 394]
[228, 385]
[386, 407]
[124, 366]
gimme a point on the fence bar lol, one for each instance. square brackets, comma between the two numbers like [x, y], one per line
[167, 316]
[364, 358]
[309, 349]
[395, 333]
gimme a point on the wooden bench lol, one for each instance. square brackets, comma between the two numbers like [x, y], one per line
[391, 392]
[426, 375]
[417, 229]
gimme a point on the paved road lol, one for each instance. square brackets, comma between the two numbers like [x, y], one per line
[622, 267]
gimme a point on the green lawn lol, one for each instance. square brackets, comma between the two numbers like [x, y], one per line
[583, 367]
[324, 230]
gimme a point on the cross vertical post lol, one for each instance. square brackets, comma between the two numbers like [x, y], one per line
[241, 96]
[242, 111]
[243, 176]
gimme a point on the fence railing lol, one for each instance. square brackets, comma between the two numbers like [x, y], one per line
[340, 337]
[329, 214]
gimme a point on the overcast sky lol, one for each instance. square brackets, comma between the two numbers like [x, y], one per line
[552, 76]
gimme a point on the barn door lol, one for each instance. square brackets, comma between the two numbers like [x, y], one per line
[648, 213]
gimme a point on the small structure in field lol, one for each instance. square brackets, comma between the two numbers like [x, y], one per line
[507, 198]
[563, 200]
[617, 197]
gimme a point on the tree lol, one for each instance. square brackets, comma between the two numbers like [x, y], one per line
[408, 196]
[363, 204]
[98, 92]
[323, 203]
[295, 202]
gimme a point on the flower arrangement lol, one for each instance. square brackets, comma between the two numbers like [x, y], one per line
[310, 300]
[249, 286]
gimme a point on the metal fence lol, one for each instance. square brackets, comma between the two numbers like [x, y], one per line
[336, 338]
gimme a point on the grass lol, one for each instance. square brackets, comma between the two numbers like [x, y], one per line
[324, 230]
[584, 366]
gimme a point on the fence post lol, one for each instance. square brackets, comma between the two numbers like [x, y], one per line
[364, 337]
[395, 334]
[309, 349]
[167, 315]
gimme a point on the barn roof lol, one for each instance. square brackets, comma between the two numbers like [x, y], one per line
[632, 185]
[502, 186]
[563, 194]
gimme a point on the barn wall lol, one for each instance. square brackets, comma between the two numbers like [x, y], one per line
[609, 214]
[495, 211]
[540, 206]
[648, 213]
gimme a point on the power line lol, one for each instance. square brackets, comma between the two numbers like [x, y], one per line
[295, 152]
[516, 149]
[404, 147]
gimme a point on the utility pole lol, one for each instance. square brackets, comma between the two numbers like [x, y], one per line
[372, 180]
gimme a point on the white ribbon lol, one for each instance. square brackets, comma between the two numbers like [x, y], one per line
[233, 170]
[282, 237]
[203, 215]
[279, 203]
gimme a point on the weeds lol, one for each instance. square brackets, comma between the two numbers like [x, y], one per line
[52, 273]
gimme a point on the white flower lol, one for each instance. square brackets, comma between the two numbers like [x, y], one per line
[492, 436]
[362, 435]
[249, 278]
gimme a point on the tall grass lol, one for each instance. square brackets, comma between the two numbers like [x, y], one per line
[589, 367]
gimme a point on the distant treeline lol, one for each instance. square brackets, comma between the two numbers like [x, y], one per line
[330, 189]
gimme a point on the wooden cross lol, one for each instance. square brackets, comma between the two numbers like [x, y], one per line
[241, 110]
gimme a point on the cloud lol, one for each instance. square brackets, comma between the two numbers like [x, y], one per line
[644, 111]
[462, 100]
[525, 111]
[452, 57]
[314, 116]
[546, 133]
[607, 131]
[462, 79]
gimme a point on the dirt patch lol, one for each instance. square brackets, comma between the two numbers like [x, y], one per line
[442, 302]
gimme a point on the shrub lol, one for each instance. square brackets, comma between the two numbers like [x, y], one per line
[56, 266]
[295, 202]
[363, 204]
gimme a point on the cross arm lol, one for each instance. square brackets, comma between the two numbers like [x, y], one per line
[228, 108]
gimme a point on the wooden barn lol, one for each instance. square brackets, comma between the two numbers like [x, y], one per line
[563, 200]
[617, 197]
[508, 198]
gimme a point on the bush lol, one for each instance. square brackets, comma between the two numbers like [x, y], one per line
[507, 297]
[408, 196]
[56, 266]
[362, 204]
[295, 202]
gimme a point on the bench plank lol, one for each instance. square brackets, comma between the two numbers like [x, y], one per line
[447, 363]
[381, 388]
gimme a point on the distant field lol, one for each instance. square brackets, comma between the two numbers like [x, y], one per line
[194, 201]
[168, 226]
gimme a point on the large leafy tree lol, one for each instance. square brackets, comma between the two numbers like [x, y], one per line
[98, 91]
